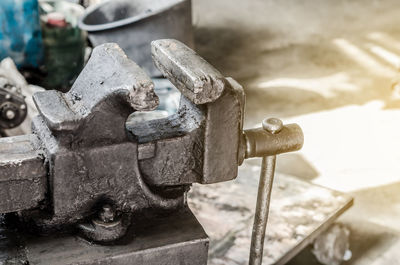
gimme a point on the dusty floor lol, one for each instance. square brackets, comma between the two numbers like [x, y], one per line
[332, 67]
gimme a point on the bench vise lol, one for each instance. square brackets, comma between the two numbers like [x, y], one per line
[88, 187]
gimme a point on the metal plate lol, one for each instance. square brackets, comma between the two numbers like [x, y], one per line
[299, 212]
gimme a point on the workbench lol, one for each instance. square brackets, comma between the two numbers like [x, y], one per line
[299, 212]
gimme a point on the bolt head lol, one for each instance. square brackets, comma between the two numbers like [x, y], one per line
[107, 213]
[272, 125]
[10, 114]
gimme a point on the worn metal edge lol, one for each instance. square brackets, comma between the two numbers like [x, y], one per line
[314, 234]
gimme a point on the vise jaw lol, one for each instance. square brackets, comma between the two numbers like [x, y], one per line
[91, 157]
[201, 142]
[85, 166]
[84, 155]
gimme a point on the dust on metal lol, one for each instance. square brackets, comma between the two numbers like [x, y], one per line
[84, 166]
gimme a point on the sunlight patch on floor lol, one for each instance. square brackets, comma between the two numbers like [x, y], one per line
[384, 39]
[388, 56]
[325, 86]
[353, 147]
[364, 59]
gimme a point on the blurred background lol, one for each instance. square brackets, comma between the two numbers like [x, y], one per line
[330, 66]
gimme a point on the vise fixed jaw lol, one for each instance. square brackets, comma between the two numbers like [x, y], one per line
[201, 142]
[86, 165]
[86, 156]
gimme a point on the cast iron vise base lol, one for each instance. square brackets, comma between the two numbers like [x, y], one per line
[87, 187]
[174, 239]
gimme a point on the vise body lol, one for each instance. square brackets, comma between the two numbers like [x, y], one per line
[88, 187]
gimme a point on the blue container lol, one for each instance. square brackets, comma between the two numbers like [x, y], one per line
[20, 35]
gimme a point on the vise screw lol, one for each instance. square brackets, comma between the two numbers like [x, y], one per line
[88, 187]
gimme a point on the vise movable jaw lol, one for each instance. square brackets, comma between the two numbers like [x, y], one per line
[85, 166]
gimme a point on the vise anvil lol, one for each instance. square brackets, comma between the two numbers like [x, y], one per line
[86, 175]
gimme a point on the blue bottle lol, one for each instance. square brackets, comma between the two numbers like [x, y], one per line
[20, 35]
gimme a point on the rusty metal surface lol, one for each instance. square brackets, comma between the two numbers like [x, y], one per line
[262, 210]
[174, 239]
[91, 157]
[102, 177]
[23, 173]
[261, 143]
[197, 80]
[271, 127]
[299, 212]
[191, 143]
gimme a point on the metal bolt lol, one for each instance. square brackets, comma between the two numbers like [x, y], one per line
[10, 114]
[8, 96]
[107, 213]
[23, 107]
[272, 125]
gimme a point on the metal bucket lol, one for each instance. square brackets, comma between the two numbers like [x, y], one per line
[133, 24]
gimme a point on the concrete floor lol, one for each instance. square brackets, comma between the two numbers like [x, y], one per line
[332, 67]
